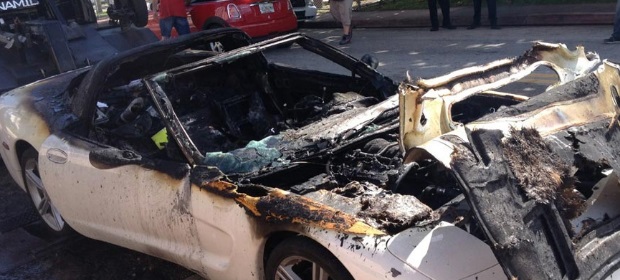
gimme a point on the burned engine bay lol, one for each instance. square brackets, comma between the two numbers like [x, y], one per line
[300, 145]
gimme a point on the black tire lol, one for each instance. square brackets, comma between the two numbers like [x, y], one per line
[53, 221]
[212, 26]
[141, 13]
[214, 23]
[297, 254]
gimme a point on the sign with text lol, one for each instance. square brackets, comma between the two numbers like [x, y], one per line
[7, 5]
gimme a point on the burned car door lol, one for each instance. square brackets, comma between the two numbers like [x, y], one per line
[120, 196]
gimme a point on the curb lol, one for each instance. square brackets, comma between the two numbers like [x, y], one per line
[419, 18]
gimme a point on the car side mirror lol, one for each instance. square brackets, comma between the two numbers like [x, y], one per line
[370, 61]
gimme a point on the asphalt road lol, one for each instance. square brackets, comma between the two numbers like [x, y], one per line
[429, 54]
[28, 254]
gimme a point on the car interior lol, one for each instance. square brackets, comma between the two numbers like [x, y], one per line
[223, 106]
[247, 102]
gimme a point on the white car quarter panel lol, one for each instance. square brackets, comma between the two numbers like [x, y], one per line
[127, 205]
[446, 252]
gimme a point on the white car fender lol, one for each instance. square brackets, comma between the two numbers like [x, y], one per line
[18, 121]
[441, 252]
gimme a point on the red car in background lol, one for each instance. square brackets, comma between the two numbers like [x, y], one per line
[260, 19]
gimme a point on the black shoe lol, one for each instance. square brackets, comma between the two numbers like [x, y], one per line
[473, 26]
[495, 26]
[434, 28]
[449, 26]
[611, 40]
[346, 39]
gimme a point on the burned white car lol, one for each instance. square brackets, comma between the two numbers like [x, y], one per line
[240, 168]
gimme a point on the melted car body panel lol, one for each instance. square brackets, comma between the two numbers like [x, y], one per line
[534, 164]
[425, 106]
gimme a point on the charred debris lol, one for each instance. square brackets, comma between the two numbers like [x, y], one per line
[336, 149]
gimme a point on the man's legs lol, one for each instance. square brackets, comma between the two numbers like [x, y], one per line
[335, 8]
[492, 9]
[345, 20]
[165, 26]
[181, 25]
[445, 13]
[432, 10]
[346, 16]
[341, 11]
[616, 33]
[615, 36]
[346, 29]
[477, 8]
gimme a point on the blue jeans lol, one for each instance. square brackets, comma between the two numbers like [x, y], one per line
[616, 33]
[179, 23]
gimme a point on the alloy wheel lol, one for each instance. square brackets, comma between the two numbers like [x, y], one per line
[300, 268]
[40, 198]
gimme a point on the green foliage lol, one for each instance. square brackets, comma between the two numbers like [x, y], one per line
[422, 4]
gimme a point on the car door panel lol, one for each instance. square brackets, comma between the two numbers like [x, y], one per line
[122, 198]
[230, 238]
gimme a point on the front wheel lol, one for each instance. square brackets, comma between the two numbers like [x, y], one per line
[302, 258]
[38, 194]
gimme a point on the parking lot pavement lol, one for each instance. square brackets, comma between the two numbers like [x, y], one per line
[29, 252]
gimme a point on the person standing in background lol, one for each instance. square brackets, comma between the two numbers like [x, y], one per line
[445, 14]
[615, 36]
[341, 11]
[492, 9]
[172, 13]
